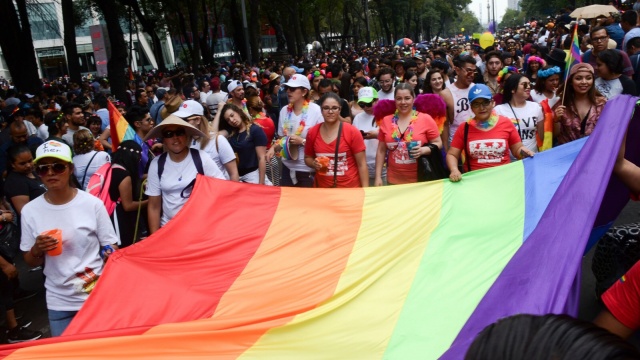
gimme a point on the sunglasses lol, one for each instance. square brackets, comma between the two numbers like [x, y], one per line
[57, 169]
[364, 105]
[171, 133]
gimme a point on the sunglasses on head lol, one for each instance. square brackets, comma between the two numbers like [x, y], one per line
[57, 169]
[364, 105]
[171, 133]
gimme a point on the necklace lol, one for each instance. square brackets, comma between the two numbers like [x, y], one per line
[186, 163]
[395, 133]
[47, 198]
[303, 119]
[485, 125]
[244, 105]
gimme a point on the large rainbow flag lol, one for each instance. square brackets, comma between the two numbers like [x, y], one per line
[401, 272]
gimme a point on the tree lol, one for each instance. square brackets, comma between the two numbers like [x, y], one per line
[118, 59]
[512, 19]
[17, 45]
[69, 25]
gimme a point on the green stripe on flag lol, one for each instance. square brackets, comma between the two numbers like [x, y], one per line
[462, 260]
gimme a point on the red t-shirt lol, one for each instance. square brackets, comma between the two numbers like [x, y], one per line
[351, 142]
[268, 127]
[623, 298]
[487, 148]
[401, 168]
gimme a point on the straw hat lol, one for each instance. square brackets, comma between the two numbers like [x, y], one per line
[156, 132]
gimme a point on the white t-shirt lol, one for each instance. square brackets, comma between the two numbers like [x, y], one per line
[608, 88]
[68, 137]
[314, 116]
[528, 117]
[214, 99]
[31, 129]
[537, 97]
[221, 155]
[43, 132]
[175, 177]
[81, 161]
[386, 96]
[366, 123]
[86, 228]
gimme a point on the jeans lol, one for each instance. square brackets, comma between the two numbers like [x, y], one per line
[59, 320]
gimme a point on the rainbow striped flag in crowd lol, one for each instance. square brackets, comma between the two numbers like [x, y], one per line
[119, 127]
[574, 56]
[397, 272]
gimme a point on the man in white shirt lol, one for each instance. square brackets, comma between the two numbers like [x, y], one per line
[386, 77]
[217, 96]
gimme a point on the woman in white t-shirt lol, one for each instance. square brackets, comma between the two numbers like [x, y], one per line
[86, 234]
[216, 145]
[86, 160]
[611, 82]
[295, 121]
[172, 175]
[523, 113]
[366, 123]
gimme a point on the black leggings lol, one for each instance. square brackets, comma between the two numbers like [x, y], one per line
[6, 292]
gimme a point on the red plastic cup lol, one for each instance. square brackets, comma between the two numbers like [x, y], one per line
[324, 161]
[56, 234]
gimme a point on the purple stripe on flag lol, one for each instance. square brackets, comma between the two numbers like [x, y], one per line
[541, 276]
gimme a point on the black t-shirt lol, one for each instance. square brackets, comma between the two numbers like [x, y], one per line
[18, 184]
[245, 147]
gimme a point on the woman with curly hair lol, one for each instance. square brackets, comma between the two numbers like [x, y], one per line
[534, 64]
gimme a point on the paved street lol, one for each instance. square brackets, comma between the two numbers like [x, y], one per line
[35, 308]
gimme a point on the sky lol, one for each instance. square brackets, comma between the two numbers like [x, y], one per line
[501, 7]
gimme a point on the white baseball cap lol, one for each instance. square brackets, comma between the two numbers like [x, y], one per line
[54, 149]
[234, 84]
[189, 108]
[298, 80]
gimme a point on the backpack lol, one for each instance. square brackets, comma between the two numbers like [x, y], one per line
[195, 155]
[99, 184]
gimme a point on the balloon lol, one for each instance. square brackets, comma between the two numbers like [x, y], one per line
[462, 29]
[486, 40]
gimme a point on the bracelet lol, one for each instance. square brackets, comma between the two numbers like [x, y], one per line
[34, 255]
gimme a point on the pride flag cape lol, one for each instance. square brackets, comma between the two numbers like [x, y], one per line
[398, 272]
[545, 141]
[119, 127]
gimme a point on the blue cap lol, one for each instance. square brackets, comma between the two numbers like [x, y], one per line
[479, 91]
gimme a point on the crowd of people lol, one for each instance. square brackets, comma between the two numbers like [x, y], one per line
[307, 122]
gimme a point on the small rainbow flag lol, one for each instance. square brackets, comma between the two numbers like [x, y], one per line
[574, 53]
[546, 141]
[396, 272]
[119, 127]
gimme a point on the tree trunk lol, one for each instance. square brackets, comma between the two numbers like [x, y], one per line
[73, 62]
[316, 30]
[281, 40]
[118, 59]
[290, 29]
[384, 22]
[150, 27]
[183, 28]
[205, 48]
[254, 30]
[295, 17]
[238, 30]
[346, 24]
[193, 25]
[17, 46]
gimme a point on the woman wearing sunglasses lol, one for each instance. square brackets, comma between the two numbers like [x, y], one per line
[489, 137]
[86, 231]
[524, 114]
[172, 175]
[366, 123]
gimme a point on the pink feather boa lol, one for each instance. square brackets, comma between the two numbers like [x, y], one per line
[431, 104]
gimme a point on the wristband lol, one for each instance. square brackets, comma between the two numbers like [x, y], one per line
[34, 255]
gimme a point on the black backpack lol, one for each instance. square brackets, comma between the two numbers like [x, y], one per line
[195, 154]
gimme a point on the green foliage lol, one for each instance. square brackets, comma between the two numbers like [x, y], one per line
[512, 18]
